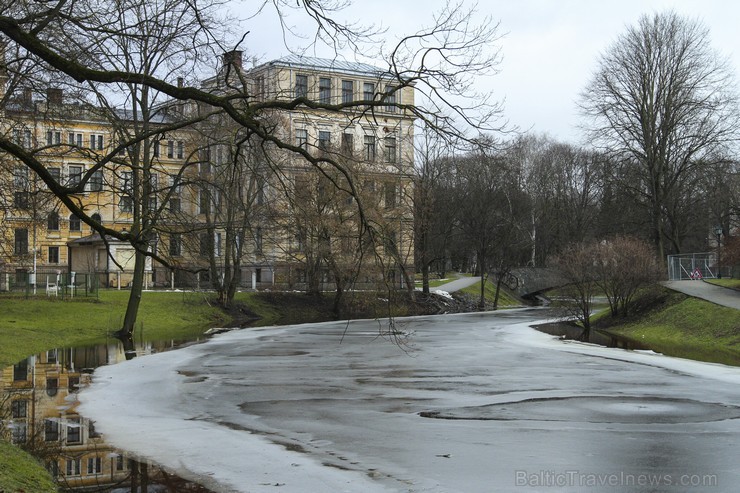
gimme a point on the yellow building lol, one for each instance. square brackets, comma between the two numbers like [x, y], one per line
[42, 243]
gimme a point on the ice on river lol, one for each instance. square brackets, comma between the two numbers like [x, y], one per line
[469, 403]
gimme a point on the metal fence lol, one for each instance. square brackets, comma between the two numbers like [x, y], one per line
[693, 266]
[50, 283]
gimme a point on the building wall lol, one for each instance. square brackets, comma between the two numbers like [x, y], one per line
[50, 122]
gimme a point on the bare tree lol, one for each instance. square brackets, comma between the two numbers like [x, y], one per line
[662, 102]
[623, 267]
[108, 48]
[434, 199]
[576, 265]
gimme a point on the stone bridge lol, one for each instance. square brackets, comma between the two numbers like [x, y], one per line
[528, 282]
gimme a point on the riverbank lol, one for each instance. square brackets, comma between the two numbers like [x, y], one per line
[30, 326]
[681, 326]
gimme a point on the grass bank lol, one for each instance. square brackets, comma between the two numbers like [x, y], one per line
[30, 326]
[505, 300]
[677, 325]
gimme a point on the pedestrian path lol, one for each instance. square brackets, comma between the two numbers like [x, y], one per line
[457, 284]
[706, 291]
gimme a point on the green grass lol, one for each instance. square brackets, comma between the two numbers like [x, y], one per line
[20, 472]
[504, 299]
[29, 326]
[727, 283]
[434, 283]
[688, 328]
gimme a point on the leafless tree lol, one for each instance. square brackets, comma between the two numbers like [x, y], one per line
[662, 102]
[623, 267]
[109, 47]
[576, 265]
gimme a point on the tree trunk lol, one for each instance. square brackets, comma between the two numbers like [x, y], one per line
[134, 299]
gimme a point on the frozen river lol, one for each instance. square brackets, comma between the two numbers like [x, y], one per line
[469, 403]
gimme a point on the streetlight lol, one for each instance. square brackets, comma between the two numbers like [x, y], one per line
[718, 232]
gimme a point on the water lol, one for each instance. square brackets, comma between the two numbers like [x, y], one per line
[38, 401]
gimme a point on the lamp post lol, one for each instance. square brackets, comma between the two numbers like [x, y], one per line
[718, 232]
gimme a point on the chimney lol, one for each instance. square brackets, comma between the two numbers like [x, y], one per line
[54, 95]
[233, 58]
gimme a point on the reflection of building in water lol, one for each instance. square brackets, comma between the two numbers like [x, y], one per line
[38, 411]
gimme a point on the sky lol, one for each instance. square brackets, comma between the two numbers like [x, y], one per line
[550, 48]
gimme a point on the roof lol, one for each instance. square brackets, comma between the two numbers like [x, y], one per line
[94, 239]
[332, 64]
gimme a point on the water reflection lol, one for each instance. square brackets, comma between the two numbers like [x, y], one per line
[38, 412]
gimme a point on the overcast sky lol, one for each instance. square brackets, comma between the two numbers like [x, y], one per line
[549, 47]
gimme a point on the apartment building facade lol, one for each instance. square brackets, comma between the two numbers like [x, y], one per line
[329, 126]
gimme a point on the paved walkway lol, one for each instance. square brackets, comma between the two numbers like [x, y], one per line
[710, 292]
[456, 285]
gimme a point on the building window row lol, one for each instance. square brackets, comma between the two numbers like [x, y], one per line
[347, 92]
[347, 145]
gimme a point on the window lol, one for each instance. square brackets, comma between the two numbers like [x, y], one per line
[73, 384]
[21, 241]
[175, 245]
[324, 90]
[217, 245]
[368, 91]
[126, 204]
[94, 465]
[301, 86]
[348, 144]
[96, 181]
[73, 467]
[96, 142]
[390, 98]
[206, 245]
[119, 462]
[204, 202]
[51, 430]
[74, 431]
[180, 149]
[170, 149]
[74, 175]
[18, 433]
[53, 254]
[324, 140]
[258, 275]
[53, 137]
[155, 148]
[390, 149]
[390, 195]
[127, 182]
[74, 223]
[20, 371]
[348, 91]
[74, 139]
[301, 138]
[21, 185]
[258, 241]
[18, 409]
[369, 147]
[174, 204]
[22, 137]
[52, 221]
[20, 178]
[55, 173]
[259, 88]
[52, 386]
[21, 200]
